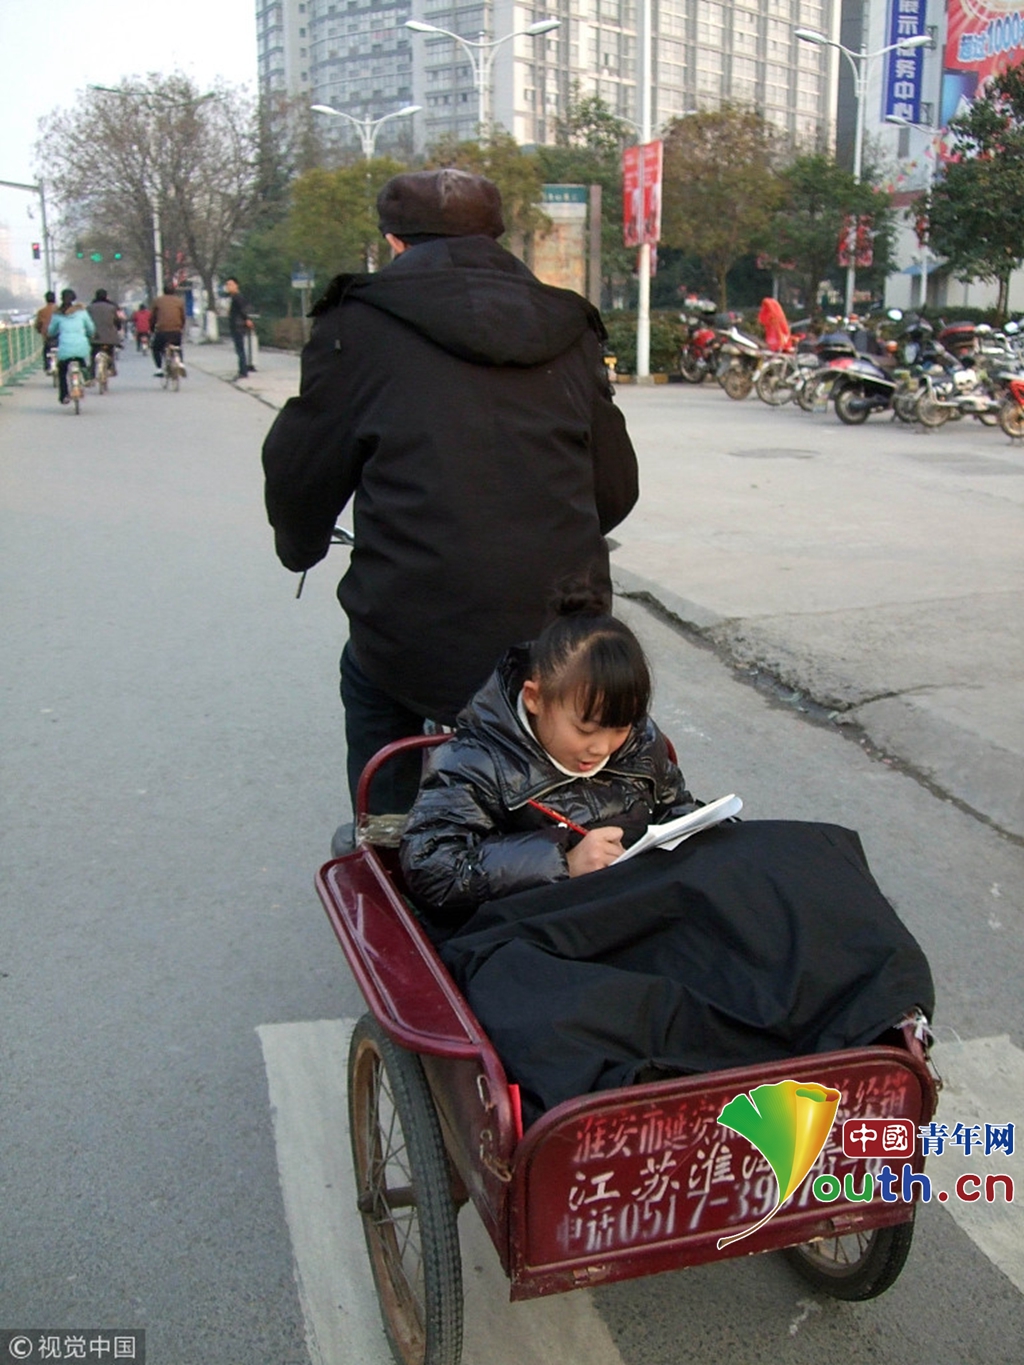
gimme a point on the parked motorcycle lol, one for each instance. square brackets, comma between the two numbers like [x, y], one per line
[1011, 414]
[738, 359]
[698, 355]
[861, 388]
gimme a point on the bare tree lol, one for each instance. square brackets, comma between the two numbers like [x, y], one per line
[158, 167]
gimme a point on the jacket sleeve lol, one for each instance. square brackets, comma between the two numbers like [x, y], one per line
[616, 474]
[454, 854]
[311, 459]
[672, 797]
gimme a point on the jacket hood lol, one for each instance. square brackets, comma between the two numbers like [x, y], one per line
[475, 300]
[522, 766]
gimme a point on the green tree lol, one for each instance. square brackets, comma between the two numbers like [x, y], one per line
[976, 210]
[721, 187]
[588, 151]
[332, 224]
[816, 196]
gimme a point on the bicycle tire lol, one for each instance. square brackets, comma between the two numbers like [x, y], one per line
[1011, 419]
[774, 383]
[737, 384]
[930, 413]
[404, 1194]
[855, 1267]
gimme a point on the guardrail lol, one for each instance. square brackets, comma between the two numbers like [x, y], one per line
[20, 348]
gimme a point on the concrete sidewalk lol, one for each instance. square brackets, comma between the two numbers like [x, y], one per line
[873, 576]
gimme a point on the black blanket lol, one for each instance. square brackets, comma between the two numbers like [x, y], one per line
[751, 942]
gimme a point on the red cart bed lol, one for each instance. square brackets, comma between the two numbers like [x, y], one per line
[605, 1187]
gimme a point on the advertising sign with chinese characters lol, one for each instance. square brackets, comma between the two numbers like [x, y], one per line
[982, 37]
[641, 194]
[903, 81]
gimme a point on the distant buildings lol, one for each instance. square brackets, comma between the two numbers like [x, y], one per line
[358, 56]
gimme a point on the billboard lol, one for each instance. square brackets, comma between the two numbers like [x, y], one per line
[982, 37]
[902, 97]
[641, 194]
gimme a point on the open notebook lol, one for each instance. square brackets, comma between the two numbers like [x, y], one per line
[673, 832]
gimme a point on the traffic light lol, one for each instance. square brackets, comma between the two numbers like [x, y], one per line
[118, 255]
[36, 253]
[79, 252]
[96, 256]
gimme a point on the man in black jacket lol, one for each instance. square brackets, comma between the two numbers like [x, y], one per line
[465, 408]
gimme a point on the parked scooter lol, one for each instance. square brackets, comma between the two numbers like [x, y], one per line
[1011, 414]
[738, 361]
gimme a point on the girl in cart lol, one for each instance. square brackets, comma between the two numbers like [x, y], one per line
[555, 767]
[754, 941]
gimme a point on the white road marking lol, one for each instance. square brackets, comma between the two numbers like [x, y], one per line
[306, 1067]
[983, 1083]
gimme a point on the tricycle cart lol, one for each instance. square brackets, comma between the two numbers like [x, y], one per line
[609, 1186]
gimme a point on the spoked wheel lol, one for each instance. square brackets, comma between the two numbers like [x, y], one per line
[853, 417]
[1011, 418]
[692, 370]
[404, 1195]
[860, 1265]
[904, 405]
[813, 394]
[774, 384]
[737, 384]
[931, 413]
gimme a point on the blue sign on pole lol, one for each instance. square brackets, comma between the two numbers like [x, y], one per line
[903, 82]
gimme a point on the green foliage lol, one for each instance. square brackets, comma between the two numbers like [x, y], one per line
[817, 194]
[976, 210]
[666, 338]
[721, 189]
[263, 262]
[332, 224]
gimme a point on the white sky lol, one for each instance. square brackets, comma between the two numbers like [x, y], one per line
[52, 49]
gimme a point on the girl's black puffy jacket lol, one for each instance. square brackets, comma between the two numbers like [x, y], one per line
[472, 837]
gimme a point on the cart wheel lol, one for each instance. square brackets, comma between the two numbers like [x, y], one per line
[404, 1194]
[860, 1265]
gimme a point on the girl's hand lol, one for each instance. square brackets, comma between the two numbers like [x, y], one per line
[595, 850]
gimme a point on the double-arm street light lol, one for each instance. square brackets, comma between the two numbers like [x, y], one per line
[860, 63]
[481, 52]
[368, 128]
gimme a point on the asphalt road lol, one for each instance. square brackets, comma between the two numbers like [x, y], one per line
[173, 1007]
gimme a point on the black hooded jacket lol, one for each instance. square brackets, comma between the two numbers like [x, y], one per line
[473, 837]
[465, 408]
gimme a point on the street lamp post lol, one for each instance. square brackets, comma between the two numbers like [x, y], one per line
[860, 62]
[929, 175]
[38, 189]
[481, 52]
[368, 128]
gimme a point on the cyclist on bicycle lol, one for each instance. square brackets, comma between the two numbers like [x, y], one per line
[141, 321]
[73, 329]
[42, 321]
[106, 316]
[168, 324]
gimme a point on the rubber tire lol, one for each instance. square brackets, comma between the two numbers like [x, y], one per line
[692, 371]
[1011, 419]
[813, 393]
[881, 1256]
[904, 405]
[843, 412]
[988, 419]
[774, 384]
[737, 384]
[930, 414]
[395, 1132]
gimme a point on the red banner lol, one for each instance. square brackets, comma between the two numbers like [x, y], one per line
[982, 37]
[641, 194]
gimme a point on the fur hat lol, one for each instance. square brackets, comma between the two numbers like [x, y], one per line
[445, 203]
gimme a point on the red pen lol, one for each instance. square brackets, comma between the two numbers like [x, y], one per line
[561, 819]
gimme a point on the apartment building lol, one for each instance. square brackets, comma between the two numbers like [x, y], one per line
[358, 56]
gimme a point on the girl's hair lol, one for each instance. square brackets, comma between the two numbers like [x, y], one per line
[67, 298]
[587, 655]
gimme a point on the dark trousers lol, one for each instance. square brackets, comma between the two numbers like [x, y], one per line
[62, 373]
[243, 365]
[373, 719]
[161, 340]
